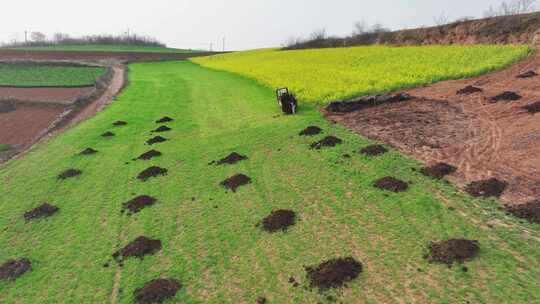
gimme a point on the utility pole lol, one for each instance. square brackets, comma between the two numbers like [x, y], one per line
[25, 36]
[223, 44]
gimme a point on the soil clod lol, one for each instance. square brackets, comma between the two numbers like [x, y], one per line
[164, 120]
[391, 184]
[140, 247]
[366, 102]
[486, 188]
[236, 181]
[469, 90]
[155, 140]
[310, 131]
[162, 129]
[88, 151]
[149, 155]
[527, 74]
[453, 250]
[231, 159]
[45, 210]
[7, 106]
[529, 211]
[279, 220]
[140, 202]
[506, 96]
[157, 291]
[374, 150]
[329, 141]
[438, 170]
[13, 269]
[533, 108]
[69, 173]
[119, 123]
[333, 273]
[151, 172]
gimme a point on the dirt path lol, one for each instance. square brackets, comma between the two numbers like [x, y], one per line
[482, 138]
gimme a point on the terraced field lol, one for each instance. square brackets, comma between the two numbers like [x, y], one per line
[214, 241]
[39, 75]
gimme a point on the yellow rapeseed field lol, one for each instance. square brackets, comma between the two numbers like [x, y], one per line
[323, 75]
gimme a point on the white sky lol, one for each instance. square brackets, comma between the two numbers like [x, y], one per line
[246, 24]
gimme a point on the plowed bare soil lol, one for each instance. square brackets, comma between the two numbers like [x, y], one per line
[438, 170]
[391, 184]
[157, 291]
[453, 250]
[373, 150]
[333, 273]
[13, 269]
[63, 96]
[486, 188]
[482, 139]
[529, 211]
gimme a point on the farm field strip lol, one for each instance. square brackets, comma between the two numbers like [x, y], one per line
[37, 75]
[105, 48]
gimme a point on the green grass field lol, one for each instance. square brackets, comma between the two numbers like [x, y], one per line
[24, 74]
[209, 237]
[107, 48]
[322, 75]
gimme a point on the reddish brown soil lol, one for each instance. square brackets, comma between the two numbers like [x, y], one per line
[438, 170]
[469, 90]
[506, 96]
[69, 173]
[151, 172]
[482, 139]
[139, 203]
[63, 96]
[164, 119]
[529, 211]
[119, 123]
[13, 269]
[311, 130]
[149, 155]
[279, 220]
[391, 184]
[329, 141]
[155, 140]
[231, 159]
[333, 273]
[486, 188]
[373, 150]
[453, 250]
[527, 74]
[533, 108]
[236, 181]
[42, 211]
[140, 247]
[341, 107]
[157, 291]
[88, 151]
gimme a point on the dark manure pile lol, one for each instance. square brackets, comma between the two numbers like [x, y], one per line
[329, 141]
[140, 247]
[157, 291]
[153, 171]
[527, 74]
[119, 123]
[139, 203]
[333, 273]
[533, 108]
[391, 184]
[366, 102]
[156, 140]
[149, 155]
[88, 151]
[438, 170]
[468, 90]
[7, 106]
[486, 188]
[279, 220]
[42, 211]
[236, 181]
[373, 150]
[451, 251]
[506, 96]
[231, 159]
[310, 131]
[108, 134]
[69, 173]
[164, 119]
[529, 211]
[162, 129]
[13, 269]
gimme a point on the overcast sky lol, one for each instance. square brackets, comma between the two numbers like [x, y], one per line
[246, 24]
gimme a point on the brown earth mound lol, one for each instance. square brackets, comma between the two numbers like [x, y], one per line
[333, 273]
[164, 120]
[533, 108]
[119, 123]
[7, 106]
[506, 96]
[157, 291]
[13, 269]
[529, 211]
[155, 140]
[236, 181]
[528, 74]
[453, 250]
[329, 141]
[365, 102]
[69, 173]
[486, 188]
[438, 170]
[140, 202]
[162, 129]
[261, 300]
[231, 159]
[279, 220]
[140, 247]
[391, 184]
[42, 211]
[149, 155]
[311, 130]
[88, 151]
[373, 150]
[151, 172]
[469, 90]
[108, 134]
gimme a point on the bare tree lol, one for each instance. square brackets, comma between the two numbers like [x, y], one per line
[37, 36]
[318, 35]
[59, 37]
[378, 28]
[441, 20]
[512, 8]
[360, 28]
